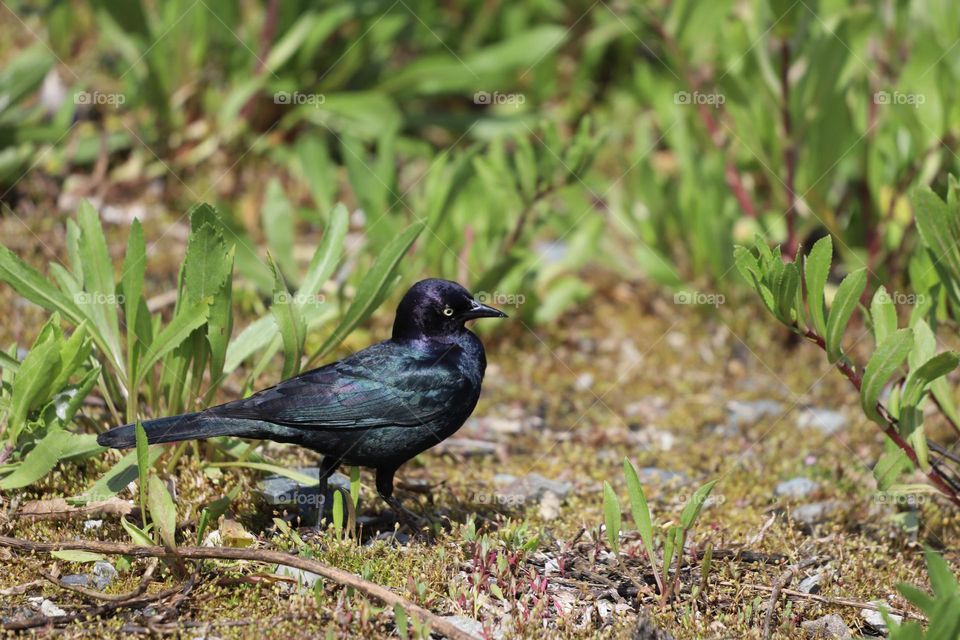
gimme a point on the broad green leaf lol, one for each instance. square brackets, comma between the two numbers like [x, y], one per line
[30, 284]
[289, 321]
[338, 511]
[328, 253]
[131, 280]
[884, 315]
[73, 355]
[163, 512]
[32, 383]
[56, 445]
[139, 536]
[639, 506]
[844, 304]
[172, 335]
[278, 226]
[882, 365]
[76, 555]
[816, 271]
[693, 507]
[117, 478]
[373, 288]
[611, 516]
[921, 377]
[98, 279]
[942, 580]
[254, 337]
[8, 362]
[890, 467]
[787, 295]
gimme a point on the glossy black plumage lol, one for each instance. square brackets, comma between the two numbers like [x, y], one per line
[376, 408]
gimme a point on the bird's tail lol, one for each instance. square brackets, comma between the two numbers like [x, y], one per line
[188, 426]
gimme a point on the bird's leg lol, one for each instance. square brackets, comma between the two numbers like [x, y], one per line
[327, 466]
[385, 489]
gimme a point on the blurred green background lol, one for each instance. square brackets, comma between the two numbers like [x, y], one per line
[533, 138]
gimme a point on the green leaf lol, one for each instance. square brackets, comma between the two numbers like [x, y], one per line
[30, 284]
[328, 253]
[942, 580]
[639, 507]
[890, 467]
[131, 279]
[117, 478]
[844, 304]
[373, 288]
[172, 335]
[98, 278]
[278, 227]
[884, 315]
[139, 536]
[31, 385]
[691, 511]
[162, 511]
[787, 295]
[56, 445]
[816, 271]
[921, 377]
[883, 364]
[76, 555]
[338, 511]
[611, 516]
[289, 321]
[143, 464]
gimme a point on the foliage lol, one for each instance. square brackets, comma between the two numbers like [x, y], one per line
[906, 357]
[671, 540]
[942, 607]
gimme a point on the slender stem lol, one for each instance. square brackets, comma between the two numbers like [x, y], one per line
[934, 474]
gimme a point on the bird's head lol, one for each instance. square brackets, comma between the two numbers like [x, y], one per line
[437, 308]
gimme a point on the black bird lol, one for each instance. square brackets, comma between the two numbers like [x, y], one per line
[377, 408]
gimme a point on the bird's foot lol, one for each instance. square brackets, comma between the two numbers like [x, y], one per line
[419, 525]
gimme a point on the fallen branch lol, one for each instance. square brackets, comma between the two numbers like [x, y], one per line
[780, 585]
[345, 578]
[840, 602]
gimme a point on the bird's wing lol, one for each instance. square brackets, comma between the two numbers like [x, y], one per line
[370, 389]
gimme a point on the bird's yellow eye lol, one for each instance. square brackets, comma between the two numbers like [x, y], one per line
[447, 311]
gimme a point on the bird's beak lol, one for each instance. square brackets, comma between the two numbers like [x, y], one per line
[480, 310]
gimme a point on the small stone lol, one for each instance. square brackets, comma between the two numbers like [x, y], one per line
[811, 584]
[468, 625]
[796, 487]
[829, 627]
[50, 610]
[282, 491]
[827, 421]
[550, 506]
[305, 579]
[75, 580]
[875, 618]
[584, 382]
[528, 490]
[743, 412]
[814, 512]
[655, 475]
[103, 574]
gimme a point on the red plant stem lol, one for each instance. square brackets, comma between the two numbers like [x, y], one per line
[789, 151]
[890, 429]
